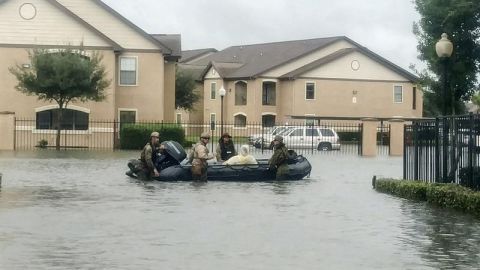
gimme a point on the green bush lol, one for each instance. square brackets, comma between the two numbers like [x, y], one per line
[346, 136]
[415, 190]
[135, 136]
[444, 195]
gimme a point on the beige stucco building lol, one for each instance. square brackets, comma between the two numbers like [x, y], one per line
[141, 66]
[324, 77]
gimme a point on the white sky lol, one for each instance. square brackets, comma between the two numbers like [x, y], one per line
[383, 26]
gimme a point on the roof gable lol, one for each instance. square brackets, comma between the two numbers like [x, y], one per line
[44, 28]
[383, 68]
[112, 24]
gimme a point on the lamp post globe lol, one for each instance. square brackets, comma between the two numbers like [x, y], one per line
[444, 46]
[222, 92]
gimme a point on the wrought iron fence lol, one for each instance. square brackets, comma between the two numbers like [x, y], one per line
[443, 150]
[328, 137]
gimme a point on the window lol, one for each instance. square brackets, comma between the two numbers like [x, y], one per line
[213, 120]
[269, 93]
[397, 94]
[179, 118]
[297, 132]
[268, 120]
[327, 132]
[72, 120]
[240, 121]
[213, 90]
[312, 132]
[310, 91]
[128, 71]
[414, 101]
[128, 116]
[240, 93]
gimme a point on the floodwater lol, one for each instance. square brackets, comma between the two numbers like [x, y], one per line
[77, 210]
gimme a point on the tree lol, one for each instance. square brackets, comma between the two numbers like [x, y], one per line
[62, 76]
[185, 95]
[460, 19]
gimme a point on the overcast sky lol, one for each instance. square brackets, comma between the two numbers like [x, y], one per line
[383, 26]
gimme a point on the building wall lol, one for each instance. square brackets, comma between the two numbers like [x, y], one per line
[24, 106]
[349, 98]
[169, 90]
[147, 97]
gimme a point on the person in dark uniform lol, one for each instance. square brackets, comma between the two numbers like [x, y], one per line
[225, 148]
[278, 161]
[148, 156]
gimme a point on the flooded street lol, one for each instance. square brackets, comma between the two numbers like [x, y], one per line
[77, 210]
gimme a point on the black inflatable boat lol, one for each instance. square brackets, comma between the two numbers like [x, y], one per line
[298, 166]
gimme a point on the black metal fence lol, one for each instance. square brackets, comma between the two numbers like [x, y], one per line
[329, 137]
[443, 150]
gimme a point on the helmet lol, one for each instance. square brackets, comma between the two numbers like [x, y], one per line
[205, 135]
[155, 134]
[278, 138]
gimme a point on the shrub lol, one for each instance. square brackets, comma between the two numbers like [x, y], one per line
[415, 190]
[42, 143]
[444, 195]
[135, 136]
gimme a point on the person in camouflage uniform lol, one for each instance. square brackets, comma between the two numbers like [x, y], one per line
[278, 161]
[200, 157]
[147, 157]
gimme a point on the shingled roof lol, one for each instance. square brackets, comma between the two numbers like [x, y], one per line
[259, 58]
[189, 55]
[250, 61]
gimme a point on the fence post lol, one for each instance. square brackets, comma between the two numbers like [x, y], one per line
[7, 131]
[397, 127]
[437, 150]
[369, 137]
[416, 158]
[471, 148]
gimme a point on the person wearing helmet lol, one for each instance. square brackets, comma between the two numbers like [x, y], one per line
[200, 157]
[148, 155]
[278, 161]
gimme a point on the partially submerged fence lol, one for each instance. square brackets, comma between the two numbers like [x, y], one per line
[328, 137]
[443, 150]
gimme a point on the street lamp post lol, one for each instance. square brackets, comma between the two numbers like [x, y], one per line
[444, 49]
[222, 92]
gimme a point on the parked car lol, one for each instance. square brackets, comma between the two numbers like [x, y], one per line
[269, 132]
[320, 138]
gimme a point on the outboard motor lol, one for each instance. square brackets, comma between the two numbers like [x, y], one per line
[172, 155]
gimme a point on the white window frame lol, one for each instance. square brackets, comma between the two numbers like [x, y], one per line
[120, 71]
[246, 122]
[314, 91]
[176, 118]
[128, 110]
[210, 91]
[394, 101]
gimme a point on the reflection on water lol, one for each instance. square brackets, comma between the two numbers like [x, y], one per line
[77, 210]
[445, 238]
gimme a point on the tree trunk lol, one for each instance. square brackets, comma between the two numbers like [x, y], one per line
[59, 126]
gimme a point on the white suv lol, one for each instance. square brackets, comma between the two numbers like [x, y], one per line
[322, 139]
